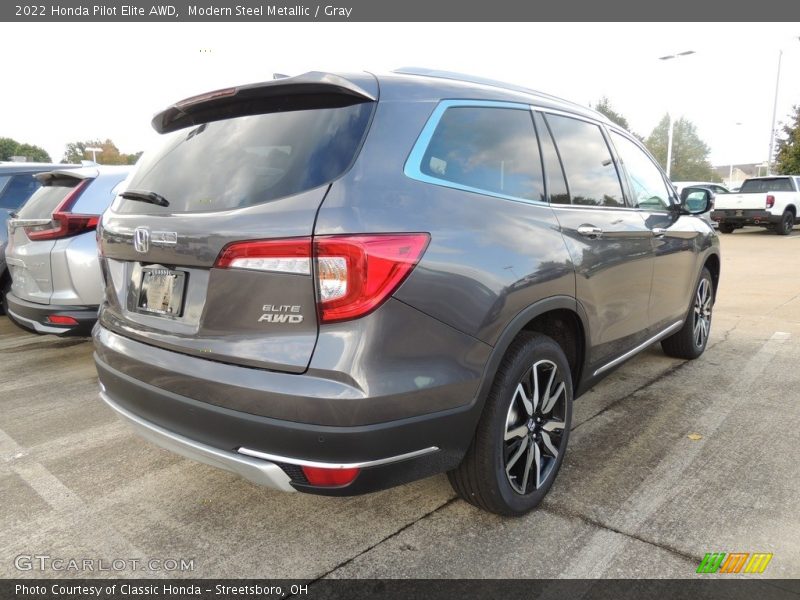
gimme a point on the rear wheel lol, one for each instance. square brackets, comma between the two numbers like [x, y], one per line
[691, 340]
[726, 228]
[786, 225]
[522, 436]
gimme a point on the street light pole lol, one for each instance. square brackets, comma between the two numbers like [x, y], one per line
[774, 114]
[671, 128]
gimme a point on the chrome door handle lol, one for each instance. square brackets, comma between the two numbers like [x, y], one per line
[590, 231]
[659, 232]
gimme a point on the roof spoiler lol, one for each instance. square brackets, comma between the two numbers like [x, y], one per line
[303, 92]
[48, 176]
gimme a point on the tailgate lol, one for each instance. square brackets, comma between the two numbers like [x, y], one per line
[755, 201]
[207, 252]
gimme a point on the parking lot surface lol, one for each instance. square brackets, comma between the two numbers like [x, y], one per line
[668, 460]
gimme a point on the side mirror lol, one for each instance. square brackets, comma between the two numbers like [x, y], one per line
[696, 200]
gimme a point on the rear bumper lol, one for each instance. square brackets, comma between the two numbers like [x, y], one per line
[35, 317]
[388, 453]
[745, 217]
[258, 471]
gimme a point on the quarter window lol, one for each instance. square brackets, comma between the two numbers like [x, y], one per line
[649, 190]
[590, 170]
[487, 150]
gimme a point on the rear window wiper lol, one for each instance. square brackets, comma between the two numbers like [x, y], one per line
[145, 196]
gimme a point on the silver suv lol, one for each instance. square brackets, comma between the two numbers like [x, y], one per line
[56, 285]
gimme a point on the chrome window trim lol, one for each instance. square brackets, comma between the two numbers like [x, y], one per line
[412, 168]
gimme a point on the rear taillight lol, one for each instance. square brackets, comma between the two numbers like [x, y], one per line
[355, 273]
[770, 200]
[64, 223]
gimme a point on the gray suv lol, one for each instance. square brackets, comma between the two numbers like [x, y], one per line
[339, 283]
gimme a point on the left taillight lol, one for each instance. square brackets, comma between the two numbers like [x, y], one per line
[64, 223]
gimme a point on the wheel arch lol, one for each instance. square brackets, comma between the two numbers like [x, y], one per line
[712, 263]
[558, 317]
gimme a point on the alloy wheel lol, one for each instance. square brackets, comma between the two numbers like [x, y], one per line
[702, 313]
[534, 427]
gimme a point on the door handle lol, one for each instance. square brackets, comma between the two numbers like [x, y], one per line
[659, 232]
[590, 231]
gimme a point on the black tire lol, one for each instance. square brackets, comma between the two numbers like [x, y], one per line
[482, 477]
[787, 223]
[691, 340]
[726, 228]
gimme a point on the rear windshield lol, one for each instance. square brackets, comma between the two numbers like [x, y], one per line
[249, 160]
[45, 200]
[773, 184]
[15, 189]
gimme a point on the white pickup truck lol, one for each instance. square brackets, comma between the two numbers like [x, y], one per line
[770, 202]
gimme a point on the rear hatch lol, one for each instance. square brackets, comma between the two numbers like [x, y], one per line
[45, 218]
[207, 252]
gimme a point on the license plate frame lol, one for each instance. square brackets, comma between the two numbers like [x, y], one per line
[161, 292]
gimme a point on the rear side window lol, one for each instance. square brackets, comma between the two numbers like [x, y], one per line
[485, 149]
[16, 189]
[47, 198]
[249, 160]
[773, 184]
[590, 170]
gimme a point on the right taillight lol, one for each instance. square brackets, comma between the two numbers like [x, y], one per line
[770, 200]
[357, 273]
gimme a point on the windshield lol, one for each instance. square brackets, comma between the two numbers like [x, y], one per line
[249, 160]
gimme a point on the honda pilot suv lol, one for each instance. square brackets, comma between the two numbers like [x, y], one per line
[339, 283]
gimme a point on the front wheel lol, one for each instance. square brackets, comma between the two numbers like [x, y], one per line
[522, 436]
[691, 340]
[786, 225]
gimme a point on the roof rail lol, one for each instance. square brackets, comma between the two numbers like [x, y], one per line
[489, 82]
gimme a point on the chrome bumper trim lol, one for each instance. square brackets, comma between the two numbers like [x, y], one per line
[258, 471]
[327, 465]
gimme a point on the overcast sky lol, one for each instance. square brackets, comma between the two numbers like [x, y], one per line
[66, 82]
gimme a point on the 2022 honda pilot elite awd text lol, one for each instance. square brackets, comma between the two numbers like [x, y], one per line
[339, 283]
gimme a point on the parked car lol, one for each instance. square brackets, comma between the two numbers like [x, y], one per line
[17, 183]
[770, 202]
[714, 187]
[56, 285]
[339, 283]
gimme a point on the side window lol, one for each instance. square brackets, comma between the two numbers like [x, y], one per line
[649, 190]
[486, 149]
[590, 170]
[554, 174]
[17, 191]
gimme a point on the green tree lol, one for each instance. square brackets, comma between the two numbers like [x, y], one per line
[75, 152]
[787, 159]
[10, 147]
[689, 152]
[604, 106]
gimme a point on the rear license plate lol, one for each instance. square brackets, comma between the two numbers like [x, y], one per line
[161, 292]
[739, 213]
